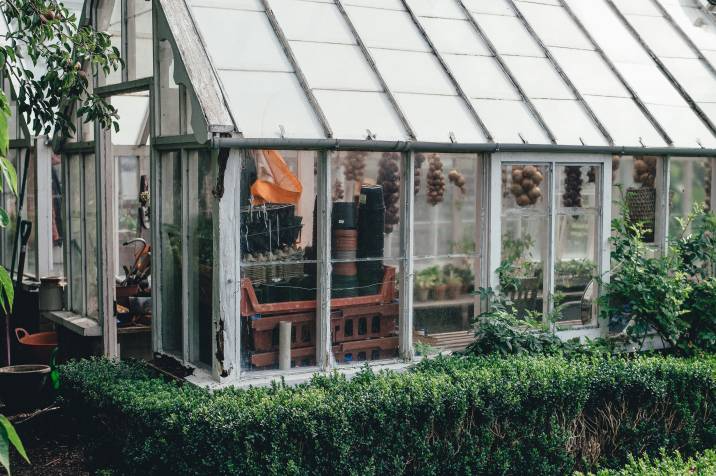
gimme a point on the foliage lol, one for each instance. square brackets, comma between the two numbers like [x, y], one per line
[502, 330]
[522, 415]
[44, 35]
[666, 465]
[8, 436]
[647, 287]
[672, 293]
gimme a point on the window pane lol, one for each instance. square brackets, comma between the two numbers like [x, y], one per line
[690, 183]
[139, 39]
[29, 211]
[76, 252]
[168, 92]
[171, 256]
[576, 242]
[90, 206]
[635, 182]
[447, 209]
[525, 234]
[201, 201]
[58, 223]
[278, 258]
[109, 21]
[365, 229]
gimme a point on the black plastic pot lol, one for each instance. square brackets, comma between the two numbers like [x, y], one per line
[24, 387]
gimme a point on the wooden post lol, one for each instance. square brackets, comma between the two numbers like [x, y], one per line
[105, 186]
[324, 358]
[407, 223]
[43, 207]
[605, 231]
[226, 326]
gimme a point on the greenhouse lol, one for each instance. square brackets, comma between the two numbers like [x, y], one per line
[302, 185]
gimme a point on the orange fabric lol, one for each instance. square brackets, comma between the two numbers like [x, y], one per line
[276, 183]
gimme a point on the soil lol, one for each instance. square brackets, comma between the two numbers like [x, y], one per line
[51, 444]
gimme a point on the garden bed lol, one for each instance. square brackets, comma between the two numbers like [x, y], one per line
[529, 415]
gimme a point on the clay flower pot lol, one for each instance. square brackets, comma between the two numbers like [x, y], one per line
[440, 291]
[423, 294]
[454, 288]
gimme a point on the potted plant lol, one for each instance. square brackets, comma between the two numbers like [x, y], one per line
[423, 284]
[440, 289]
[454, 286]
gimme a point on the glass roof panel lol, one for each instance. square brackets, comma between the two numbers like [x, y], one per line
[412, 72]
[554, 26]
[381, 28]
[589, 73]
[661, 37]
[352, 113]
[481, 77]
[493, 7]
[696, 23]
[454, 36]
[508, 35]
[386, 4]
[311, 21]
[651, 85]
[637, 7]
[538, 78]
[335, 66]
[569, 122]
[437, 9]
[625, 122]
[228, 4]
[241, 39]
[695, 77]
[510, 121]
[685, 128]
[263, 102]
[434, 117]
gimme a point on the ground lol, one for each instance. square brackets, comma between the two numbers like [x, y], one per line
[51, 444]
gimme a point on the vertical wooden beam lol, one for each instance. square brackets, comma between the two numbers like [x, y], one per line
[407, 272]
[663, 182]
[324, 357]
[186, 253]
[105, 186]
[550, 259]
[43, 207]
[495, 221]
[226, 337]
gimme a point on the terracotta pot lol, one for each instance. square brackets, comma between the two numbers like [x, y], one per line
[38, 346]
[24, 387]
[453, 290]
[440, 291]
[423, 294]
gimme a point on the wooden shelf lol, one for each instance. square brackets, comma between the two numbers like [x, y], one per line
[464, 300]
[137, 329]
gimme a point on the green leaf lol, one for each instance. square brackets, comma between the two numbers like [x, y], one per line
[4, 218]
[4, 450]
[8, 297]
[8, 171]
[13, 437]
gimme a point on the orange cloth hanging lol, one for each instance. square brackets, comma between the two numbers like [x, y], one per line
[276, 183]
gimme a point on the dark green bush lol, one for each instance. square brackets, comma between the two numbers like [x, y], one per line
[524, 415]
[665, 465]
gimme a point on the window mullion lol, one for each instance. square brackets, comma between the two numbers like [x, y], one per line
[324, 357]
[548, 287]
[407, 222]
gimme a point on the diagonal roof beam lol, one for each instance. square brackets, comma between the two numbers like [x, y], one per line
[640, 104]
[561, 72]
[297, 69]
[508, 73]
[371, 62]
[448, 71]
[664, 69]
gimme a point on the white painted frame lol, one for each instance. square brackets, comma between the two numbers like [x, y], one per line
[551, 161]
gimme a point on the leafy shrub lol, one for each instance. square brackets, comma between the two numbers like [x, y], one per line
[522, 415]
[700, 319]
[676, 465]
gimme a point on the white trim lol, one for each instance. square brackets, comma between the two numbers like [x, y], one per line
[324, 356]
[84, 326]
[407, 262]
[43, 207]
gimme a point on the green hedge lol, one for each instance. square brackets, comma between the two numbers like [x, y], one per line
[527, 415]
[676, 465]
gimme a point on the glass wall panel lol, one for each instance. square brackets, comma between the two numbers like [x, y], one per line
[525, 235]
[201, 274]
[171, 246]
[10, 204]
[108, 14]
[90, 205]
[278, 259]
[576, 242]
[139, 39]
[58, 223]
[447, 210]
[365, 230]
[76, 243]
[29, 210]
[690, 183]
[636, 186]
[169, 97]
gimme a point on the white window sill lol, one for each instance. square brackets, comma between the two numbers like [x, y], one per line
[203, 378]
[84, 326]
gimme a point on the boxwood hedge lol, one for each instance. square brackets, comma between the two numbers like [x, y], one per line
[523, 415]
[666, 465]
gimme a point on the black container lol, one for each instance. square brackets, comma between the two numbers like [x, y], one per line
[371, 197]
[344, 286]
[370, 277]
[344, 216]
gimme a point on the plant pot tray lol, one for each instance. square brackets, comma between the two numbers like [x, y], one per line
[250, 306]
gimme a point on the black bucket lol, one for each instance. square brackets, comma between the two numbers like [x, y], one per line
[371, 197]
[344, 216]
